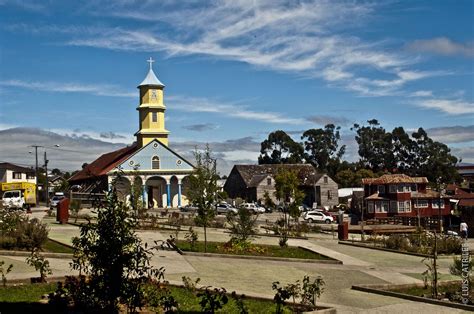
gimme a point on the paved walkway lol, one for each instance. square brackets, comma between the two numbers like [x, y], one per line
[255, 277]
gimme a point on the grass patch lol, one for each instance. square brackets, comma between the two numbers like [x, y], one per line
[256, 250]
[54, 247]
[449, 290]
[24, 297]
[25, 293]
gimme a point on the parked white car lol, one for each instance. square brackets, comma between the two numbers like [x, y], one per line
[226, 208]
[317, 216]
[13, 199]
[253, 207]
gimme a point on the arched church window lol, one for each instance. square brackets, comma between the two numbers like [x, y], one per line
[155, 162]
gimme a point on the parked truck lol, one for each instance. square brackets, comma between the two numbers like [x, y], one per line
[18, 195]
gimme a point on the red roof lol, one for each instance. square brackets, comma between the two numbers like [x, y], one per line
[104, 164]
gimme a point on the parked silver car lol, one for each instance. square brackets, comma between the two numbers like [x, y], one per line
[225, 209]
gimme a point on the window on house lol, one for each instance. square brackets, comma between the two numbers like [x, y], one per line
[154, 117]
[421, 203]
[155, 162]
[370, 207]
[378, 207]
[16, 175]
[325, 179]
[400, 188]
[392, 188]
[30, 176]
[381, 189]
[393, 206]
[434, 203]
[329, 195]
[269, 181]
[407, 206]
[385, 206]
[414, 187]
[401, 207]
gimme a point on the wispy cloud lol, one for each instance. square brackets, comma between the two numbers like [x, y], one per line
[452, 134]
[201, 127]
[61, 87]
[308, 38]
[443, 46]
[449, 106]
[190, 104]
[324, 119]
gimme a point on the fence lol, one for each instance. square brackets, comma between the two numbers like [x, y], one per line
[88, 199]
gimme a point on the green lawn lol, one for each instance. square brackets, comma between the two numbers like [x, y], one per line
[443, 289]
[263, 250]
[25, 293]
[18, 298]
[54, 247]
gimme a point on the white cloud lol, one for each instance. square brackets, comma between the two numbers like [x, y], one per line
[65, 87]
[422, 93]
[452, 134]
[309, 38]
[443, 46]
[449, 106]
[190, 104]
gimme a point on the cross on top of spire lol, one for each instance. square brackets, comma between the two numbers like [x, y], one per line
[151, 62]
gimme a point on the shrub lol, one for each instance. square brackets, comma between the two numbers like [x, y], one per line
[242, 225]
[40, 264]
[4, 272]
[456, 267]
[17, 231]
[212, 300]
[191, 237]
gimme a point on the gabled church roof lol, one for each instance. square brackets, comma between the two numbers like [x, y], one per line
[104, 163]
[151, 80]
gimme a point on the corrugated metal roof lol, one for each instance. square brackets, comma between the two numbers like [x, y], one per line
[10, 166]
[151, 79]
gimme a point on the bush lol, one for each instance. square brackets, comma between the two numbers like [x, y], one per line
[456, 267]
[18, 232]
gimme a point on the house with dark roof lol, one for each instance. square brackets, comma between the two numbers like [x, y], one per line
[149, 162]
[250, 182]
[402, 195]
[13, 173]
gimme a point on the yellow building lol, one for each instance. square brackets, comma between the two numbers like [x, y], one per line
[160, 170]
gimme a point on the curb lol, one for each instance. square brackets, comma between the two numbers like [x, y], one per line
[267, 258]
[374, 289]
[393, 251]
[45, 254]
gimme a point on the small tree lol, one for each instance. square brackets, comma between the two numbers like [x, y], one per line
[114, 258]
[203, 189]
[4, 272]
[242, 225]
[287, 191]
[40, 264]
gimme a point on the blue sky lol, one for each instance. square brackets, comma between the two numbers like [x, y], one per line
[239, 69]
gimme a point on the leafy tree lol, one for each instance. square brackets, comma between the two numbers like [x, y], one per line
[56, 172]
[322, 148]
[203, 189]
[242, 225]
[349, 178]
[287, 191]
[280, 148]
[433, 159]
[375, 146]
[114, 259]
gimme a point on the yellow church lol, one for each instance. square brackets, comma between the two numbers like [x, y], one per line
[161, 171]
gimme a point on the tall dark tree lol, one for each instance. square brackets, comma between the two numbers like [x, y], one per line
[375, 146]
[280, 148]
[322, 148]
[433, 159]
[403, 151]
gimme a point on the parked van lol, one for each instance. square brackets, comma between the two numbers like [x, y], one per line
[19, 195]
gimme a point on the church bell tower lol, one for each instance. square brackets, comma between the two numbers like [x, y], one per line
[151, 110]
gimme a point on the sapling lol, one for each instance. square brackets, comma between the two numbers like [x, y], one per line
[40, 264]
[4, 272]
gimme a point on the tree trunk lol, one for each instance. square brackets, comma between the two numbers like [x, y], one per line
[205, 238]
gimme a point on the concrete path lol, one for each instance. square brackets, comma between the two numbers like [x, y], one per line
[255, 277]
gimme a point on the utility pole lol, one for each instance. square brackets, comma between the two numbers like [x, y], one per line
[435, 269]
[46, 174]
[36, 171]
